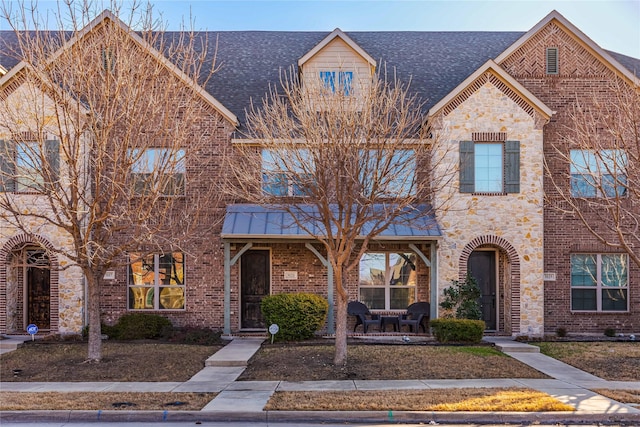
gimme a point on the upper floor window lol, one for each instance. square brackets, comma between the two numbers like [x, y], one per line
[286, 175]
[599, 282]
[156, 281]
[489, 167]
[158, 170]
[24, 167]
[337, 80]
[388, 280]
[598, 173]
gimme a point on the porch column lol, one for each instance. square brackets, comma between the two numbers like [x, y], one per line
[228, 262]
[327, 264]
[434, 280]
[432, 263]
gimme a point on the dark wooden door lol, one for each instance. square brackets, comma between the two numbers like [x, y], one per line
[482, 266]
[38, 297]
[255, 283]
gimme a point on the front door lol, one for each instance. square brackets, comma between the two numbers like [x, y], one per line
[38, 297]
[255, 282]
[482, 266]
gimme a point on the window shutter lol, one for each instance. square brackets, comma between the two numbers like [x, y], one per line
[467, 178]
[52, 151]
[7, 165]
[512, 167]
[552, 60]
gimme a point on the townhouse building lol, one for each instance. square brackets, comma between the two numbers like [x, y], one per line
[502, 101]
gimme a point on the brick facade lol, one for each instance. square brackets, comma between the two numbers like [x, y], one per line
[528, 235]
[582, 77]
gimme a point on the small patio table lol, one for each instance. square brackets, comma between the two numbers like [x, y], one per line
[389, 320]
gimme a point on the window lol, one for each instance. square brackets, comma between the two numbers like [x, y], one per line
[489, 167]
[388, 280]
[286, 175]
[344, 81]
[22, 168]
[552, 60]
[391, 176]
[156, 281]
[158, 170]
[598, 173]
[599, 282]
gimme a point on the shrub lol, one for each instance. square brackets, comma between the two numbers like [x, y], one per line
[138, 326]
[298, 315]
[463, 299]
[561, 332]
[610, 332]
[458, 330]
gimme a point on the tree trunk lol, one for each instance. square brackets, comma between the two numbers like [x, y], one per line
[340, 356]
[93, 306]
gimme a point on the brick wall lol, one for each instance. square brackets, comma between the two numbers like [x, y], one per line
[582, 76]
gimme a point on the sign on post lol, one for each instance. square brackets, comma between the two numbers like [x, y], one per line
[273, 330]
[32, 330]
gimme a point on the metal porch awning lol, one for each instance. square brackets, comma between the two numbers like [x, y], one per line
[249, 221]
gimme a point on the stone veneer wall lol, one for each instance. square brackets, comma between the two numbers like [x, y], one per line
[67, 285]
[511, 222]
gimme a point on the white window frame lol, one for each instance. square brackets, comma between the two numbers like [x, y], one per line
[163, 161]
[599, 288]
[388, 275]
[592, 166]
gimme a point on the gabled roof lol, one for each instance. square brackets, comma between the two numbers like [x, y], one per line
[491, 67]
[108, 16]
[249, 61]
[3, 70]
[23, 67]
[337, 33]
[581, 37]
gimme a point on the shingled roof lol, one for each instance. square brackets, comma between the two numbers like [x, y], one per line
[435, 62]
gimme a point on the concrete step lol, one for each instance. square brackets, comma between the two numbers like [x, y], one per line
[516, 347]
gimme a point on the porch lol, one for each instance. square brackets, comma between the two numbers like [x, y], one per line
[266, 253]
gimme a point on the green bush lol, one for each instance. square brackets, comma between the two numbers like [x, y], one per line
[298, 315]
[458, 330]
[463, 299]
[610, 332]
[138, 326]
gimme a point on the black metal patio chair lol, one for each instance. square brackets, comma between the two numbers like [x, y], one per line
[417, 314]
[363, 316]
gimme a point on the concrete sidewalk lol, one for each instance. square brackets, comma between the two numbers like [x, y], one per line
[243, 400]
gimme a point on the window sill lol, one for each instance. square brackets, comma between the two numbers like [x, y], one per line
[600, 312]
[490, 194]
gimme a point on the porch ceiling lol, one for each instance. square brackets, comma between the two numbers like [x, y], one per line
[248, 221]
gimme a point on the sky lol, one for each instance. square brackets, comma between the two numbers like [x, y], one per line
[612, 24]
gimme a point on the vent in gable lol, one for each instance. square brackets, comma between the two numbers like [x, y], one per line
[552, 60]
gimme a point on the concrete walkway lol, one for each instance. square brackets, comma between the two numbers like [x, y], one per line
[238, 400]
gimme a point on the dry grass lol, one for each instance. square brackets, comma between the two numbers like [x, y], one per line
[614, 361]
[133, 361]
[383, 362]
[463, 399]
[10, 401]
[629, 397]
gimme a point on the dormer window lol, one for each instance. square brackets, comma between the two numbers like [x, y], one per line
[340, 80]
[552, 60]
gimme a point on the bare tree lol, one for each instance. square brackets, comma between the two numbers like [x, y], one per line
[101, 125]
[344, 162]
[598, 184]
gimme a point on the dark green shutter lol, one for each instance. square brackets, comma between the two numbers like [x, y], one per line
[7, 164]
[512, 167]
[52, 151]
[467, 175]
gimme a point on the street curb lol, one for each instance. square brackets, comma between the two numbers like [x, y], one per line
[388, 417]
